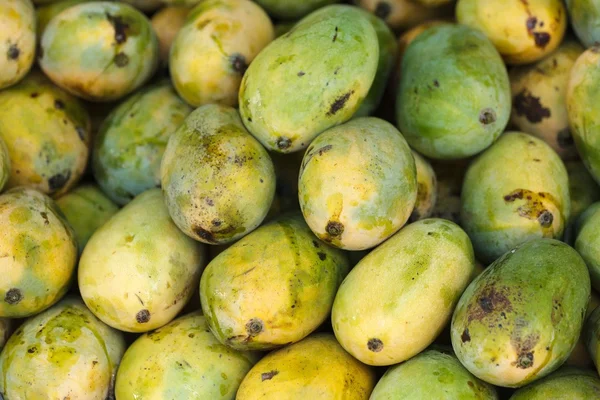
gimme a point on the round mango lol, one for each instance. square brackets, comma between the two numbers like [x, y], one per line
[573, 385]
[426, 189]
[17, 40]
[585, 20]
[167, 22]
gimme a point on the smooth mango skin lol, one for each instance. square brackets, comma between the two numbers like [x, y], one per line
[585, 20]
[444, 119]
[587, 243]
[399, 297]
[166, 24]
[287, 98]
[17, 40]
[316, 368]
[181, 360]
[572, 385]
[426, 189]
[40, 253]
[100, 51]
[129, 147]
[591, 337]
[357, 183]
[292, 9]
[433, 374]
[583, 188]
[501, 208]
[64, 352]
[213, 49]
[539, 98]
[218, 180]
[520, 319]
[580, 357]
[86, 209]
[45, 13]
[138, 270]
[236, 289]
[401, 14]
[522, 31]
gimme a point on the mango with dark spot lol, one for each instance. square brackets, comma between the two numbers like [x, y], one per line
[17, 40]
[435, 373]
[183, 359]
[520, 319]
[45, 13]
[167, 23]
[584, 16]
[591, 337]
[502, 208]
[236, 289]
[218, 180]
[453, 99]
[99, 51]
[523, 31]
[403, 14]
[286, 110]
[64, 352]
[427, 189]
[138, 270]
[566, 383]
[315, 368]
[587, 242]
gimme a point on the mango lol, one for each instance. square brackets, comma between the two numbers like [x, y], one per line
[17, 40]
[181, 360]
[584, 17]
[45, 13]
[138, 270]
[236, 289]
[217, 179]
[316, 368]
[587, 243]
[351, 215]
[167, 23]
[311, 79]
[580, 357]
[401, 14]
[453, 99]
[291, 9]
[520, 319]
[591, 337]
[64, 352]
[99, 51]
[522, 31]
[129, 147]
[572, 385]
[426, 189]
[501, 208]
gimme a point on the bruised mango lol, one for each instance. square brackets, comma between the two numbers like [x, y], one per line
[17, 40]
[426, 189]
[587, 243]
[591, 337]
[166, 23]
[401, 14]
[567, 383]
[585, 20]
[520, 319]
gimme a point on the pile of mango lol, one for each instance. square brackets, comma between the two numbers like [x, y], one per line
[284, 199]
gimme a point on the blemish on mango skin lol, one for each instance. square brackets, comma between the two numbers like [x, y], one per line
[267, 376]
[375, 345]
[534, 207]
[528, 105]
[492, 301]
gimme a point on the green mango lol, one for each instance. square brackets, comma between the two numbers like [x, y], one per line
[310, 79]
[218, 180]
[237, 288]
[138, 270]
[17, 40]
[453, 99]
[515, 191]
[64, 352]
[591, 337]
[45, 13]
[520, 319]
[587, 242]
[572, 385]
[181, 360]
[351, 215]
[427, 188]
[584, 16]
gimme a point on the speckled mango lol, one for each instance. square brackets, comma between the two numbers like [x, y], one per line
[433, 374]
[39, 253]
[426, 189]
[583, 188]
[63, 353]
[520, 319]
[47, 134]
[236, 289]
[522, 31]
[287, 98]
[130, 144]
[501, 208]
[591, 337]
[316, 368]
[453, 99]
[181, 360]
[401, 14]
[357, 183]
[587, 243]
[398, 298]
[572, 384]
[100, 51]
[580, 357]
[166, 24]
[17, 40]
[539, 98]
[86, 209]
[138, 270]
[49, 11]
[218, 181]
[585, 20]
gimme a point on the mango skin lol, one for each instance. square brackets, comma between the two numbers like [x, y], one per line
[236, 289]
[520, 319]
[584, 17]
[539, 98]
[45, 13]
[166, 24]
[316, 368]
[138, 270]
[587, 244]
[214, 47]
[440, 118]
[286, 98]
[181, 360]
[523, 32]
[86, 209]
[427, 188]
[380, 315]
[129, 147]
[433, 374]
[402, 14]
[292, 9]
[99, 51]
[574, 385]
[591, 337]
[359, 216]
[17, 40]
[501, 209]
[218, 180]
[67, 349]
